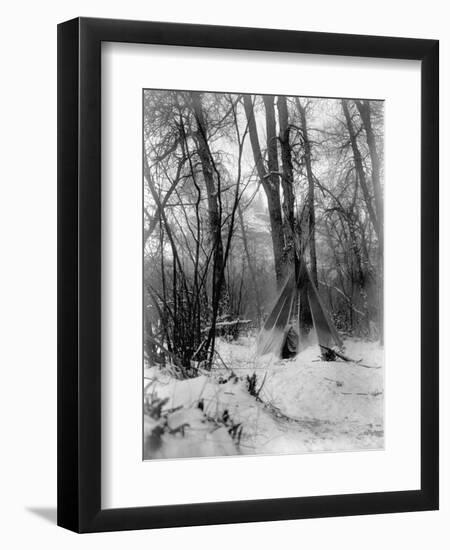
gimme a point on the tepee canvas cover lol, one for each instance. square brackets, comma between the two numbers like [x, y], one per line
[281, 332]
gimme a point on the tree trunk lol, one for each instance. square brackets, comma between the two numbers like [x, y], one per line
[214, 213]
[305, 318]
[271, 189]
[360, 168]
[287, 181]
[364, 111]
[311, 208]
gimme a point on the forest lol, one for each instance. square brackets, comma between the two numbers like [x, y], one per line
[263, 273]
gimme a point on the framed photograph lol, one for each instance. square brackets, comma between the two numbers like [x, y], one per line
[247, 275]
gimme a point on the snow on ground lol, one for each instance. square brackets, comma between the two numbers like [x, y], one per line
[303, 405]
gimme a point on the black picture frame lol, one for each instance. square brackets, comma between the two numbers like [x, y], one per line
[79, 274]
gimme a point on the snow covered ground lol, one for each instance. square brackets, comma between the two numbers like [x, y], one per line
[303, 405]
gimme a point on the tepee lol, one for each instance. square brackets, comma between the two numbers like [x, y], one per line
[281, 334]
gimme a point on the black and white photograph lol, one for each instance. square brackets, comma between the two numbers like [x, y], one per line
[263, 274]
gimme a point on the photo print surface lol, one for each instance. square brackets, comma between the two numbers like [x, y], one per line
[263, 274]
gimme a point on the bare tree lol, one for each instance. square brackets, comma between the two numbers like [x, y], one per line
[311, 203]
[269, 180]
